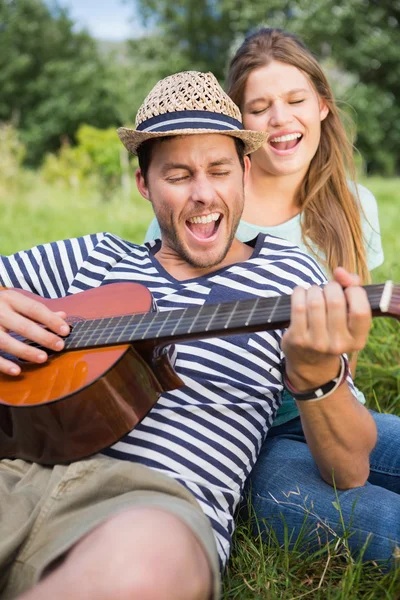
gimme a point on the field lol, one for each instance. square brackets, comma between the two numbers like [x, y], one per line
[36, 213]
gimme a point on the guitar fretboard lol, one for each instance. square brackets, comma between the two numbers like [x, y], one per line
[226, 318]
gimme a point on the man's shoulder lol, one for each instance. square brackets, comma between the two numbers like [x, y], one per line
[49, 269]
[96, 245]
[273, 243]
[118, 244]
[275, 248]
[274, 254]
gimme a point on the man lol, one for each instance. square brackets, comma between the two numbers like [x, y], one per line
[149, 516]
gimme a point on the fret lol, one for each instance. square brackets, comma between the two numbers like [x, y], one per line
[215, 311]
[93, 330]
[179, 320]
[129, 322]
[207, 318]
[154, 322]
[108, 331]
[79, 333]
[138, 324]
[252, 312]
[194, 321]
[114, 322]
[269, 320]
[70, 340]
[151, 320]
[165, 321]
[231, 315]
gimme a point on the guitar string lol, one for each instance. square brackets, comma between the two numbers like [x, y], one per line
[154, 320]
[90, 327]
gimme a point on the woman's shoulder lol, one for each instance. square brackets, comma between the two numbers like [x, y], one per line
[370, 226]
[367, 199]
[153, 232]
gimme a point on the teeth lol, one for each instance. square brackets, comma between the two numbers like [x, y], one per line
[286, 138]
[204, 218]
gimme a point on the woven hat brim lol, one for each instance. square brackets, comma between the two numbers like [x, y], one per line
[131, 138]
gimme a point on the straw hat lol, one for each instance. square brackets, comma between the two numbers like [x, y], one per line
[188, 103]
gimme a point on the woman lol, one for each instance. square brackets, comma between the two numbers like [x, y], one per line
[301, 188]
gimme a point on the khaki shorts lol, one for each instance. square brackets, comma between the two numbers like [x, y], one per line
[44, 511]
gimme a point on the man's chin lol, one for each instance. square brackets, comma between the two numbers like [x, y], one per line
[206, 259]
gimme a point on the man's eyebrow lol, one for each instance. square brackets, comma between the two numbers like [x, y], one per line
[222, 161]
[171, 165]
[288, 93]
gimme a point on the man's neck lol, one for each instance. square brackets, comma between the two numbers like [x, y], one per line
[181, 270]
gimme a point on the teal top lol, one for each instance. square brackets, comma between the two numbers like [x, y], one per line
[291, 231]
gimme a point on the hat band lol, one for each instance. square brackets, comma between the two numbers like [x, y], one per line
[190, 119]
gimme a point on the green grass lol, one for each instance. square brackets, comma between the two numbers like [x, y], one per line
[265, 570]
[38, 213]
[387, 192]
[378, 370]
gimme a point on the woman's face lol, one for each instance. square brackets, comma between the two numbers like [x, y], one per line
[280, 99]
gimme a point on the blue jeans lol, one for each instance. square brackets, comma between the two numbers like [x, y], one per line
[286, 483]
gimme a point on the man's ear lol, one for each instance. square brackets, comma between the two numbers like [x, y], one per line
[141, 184]
[247, 167]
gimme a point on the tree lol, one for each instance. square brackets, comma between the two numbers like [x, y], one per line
[98, 159]
[51, 78]
[362, 37]
[202, 31]
[12, 153]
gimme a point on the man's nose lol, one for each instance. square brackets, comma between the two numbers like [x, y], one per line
[202, 190]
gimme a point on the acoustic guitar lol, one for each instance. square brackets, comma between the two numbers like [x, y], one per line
[116, 364]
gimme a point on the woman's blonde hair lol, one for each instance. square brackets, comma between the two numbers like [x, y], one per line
[331, 212]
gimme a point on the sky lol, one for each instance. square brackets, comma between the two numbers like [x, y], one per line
[105, 19]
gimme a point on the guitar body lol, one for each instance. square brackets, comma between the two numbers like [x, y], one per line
[81, 401]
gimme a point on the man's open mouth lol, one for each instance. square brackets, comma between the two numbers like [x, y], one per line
[204, 227]
[285, 142]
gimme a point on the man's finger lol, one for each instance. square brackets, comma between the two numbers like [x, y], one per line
[34, 310]
[337, 322]
[298, 314]
[359, 315]
[8, 367]
[30, 330]
[344, 278]
[316, 318]
[20, 349]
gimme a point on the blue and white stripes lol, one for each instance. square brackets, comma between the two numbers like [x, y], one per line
[190, 119]
[207, 434]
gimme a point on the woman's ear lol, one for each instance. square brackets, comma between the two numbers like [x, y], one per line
[323, 109]
[141, 184]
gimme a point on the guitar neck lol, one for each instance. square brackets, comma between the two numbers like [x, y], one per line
[210, 320]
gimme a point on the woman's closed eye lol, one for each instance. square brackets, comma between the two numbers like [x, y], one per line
[258, 111]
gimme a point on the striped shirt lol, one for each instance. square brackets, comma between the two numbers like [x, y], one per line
[207, 434]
